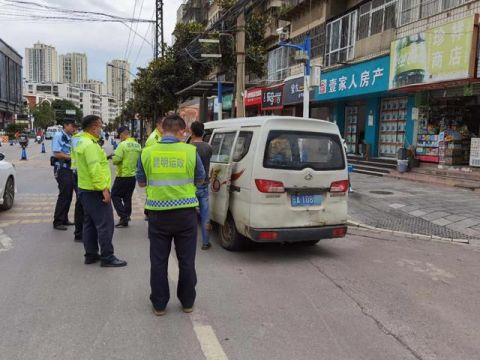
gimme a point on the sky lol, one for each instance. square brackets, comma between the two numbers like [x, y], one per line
[101, 42]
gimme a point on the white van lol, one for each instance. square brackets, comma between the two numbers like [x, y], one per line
[51, 131]
[277, 179]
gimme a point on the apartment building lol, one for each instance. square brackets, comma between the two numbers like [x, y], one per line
[110, 109]
[90, 102]
[41, 63]
[10, 84]
[53, 91]
[118, 80]
[96, 86]
[73, 68]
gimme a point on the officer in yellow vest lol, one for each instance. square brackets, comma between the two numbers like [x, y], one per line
[170, 170]
[156, 135]
[78, 214]
[94, 180]
[125, 158]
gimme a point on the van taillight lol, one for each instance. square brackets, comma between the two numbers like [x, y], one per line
[339, 232]
[269, 186]
[268, 235]
[339, 186]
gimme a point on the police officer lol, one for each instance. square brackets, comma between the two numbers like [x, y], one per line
[125, 158]
[78, 234]
[63, 174]
[156, 135]
[170, 169]
[94, 179]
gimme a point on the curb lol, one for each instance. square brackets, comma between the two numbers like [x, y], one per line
[409, 235]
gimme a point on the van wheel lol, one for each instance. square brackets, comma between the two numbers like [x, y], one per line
[230, 238]
[310, 242]
[8, 195]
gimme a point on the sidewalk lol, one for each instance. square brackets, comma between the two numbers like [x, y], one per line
[416, 208]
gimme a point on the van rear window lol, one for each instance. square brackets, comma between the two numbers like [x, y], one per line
[295, 150]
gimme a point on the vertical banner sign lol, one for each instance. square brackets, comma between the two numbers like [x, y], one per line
[439, 54]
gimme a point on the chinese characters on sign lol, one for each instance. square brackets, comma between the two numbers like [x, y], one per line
[253, 97]
[359, 79]
[439, 54]
[293, 91]
[169, 162]
[272, 98]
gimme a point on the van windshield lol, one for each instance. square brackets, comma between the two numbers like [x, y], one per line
[296, 150]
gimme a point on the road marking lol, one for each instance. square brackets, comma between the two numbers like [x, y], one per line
[209, 343]
[6, 242]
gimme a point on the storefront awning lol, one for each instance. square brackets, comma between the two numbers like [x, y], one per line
[205, 88]
[435, 86]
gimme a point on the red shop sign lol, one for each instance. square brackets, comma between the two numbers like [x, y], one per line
[253, 97]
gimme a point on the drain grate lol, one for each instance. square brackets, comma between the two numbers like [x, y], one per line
[381, 192]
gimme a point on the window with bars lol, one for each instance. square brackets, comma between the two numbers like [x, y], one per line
[340, 39]
[375, 17]
[317, 37]
[413, 10]
[278, 63]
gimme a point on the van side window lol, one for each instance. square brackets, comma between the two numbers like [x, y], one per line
[222, 144]
[242, 146]
[207, 135]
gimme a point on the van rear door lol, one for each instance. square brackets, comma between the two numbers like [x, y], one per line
[302, 182]
[222, 142]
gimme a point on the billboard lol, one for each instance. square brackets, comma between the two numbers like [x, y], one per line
[439, 54]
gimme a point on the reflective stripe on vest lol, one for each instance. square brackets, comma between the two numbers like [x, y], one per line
[170, 182]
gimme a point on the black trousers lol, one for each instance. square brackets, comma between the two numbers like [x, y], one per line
[122, 192]
[181, 227]
[64, 179]
[97, 225]
[78, 210]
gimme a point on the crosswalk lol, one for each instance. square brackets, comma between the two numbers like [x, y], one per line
[38, 208]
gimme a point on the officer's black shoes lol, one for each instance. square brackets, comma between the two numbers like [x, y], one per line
[91, 259]
[68, 223]
[122, 224]
[78, 239]
[60, 227]
[206, 246]
[187, 310]
[113, 263]
[158, 312]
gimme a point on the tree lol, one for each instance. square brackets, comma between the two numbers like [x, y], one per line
[60, 107]
[44, 115]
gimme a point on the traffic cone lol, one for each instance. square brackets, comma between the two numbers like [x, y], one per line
[43, 148]
[24, 154]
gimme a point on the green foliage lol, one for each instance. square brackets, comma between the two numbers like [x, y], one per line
[12, 129]
[59, 106]
[255, 44]
[224, 4]
[44, 115]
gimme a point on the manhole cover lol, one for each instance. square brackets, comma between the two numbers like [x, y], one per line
[381, 192]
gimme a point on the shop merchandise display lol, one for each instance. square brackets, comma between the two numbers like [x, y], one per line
[351, 113]
[427, 139]
[475, 152]
[393, 124]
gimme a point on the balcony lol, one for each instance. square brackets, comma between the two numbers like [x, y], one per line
[293, 7]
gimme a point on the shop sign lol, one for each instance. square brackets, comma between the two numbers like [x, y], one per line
[272, 98]
[439, 54]
[360, 79]
[227, 101]
[293, 91]
[253, 97]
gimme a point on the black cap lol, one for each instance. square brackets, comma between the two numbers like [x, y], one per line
[122, 129]
[69, 121]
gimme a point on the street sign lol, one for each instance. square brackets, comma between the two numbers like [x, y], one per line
[70, 112]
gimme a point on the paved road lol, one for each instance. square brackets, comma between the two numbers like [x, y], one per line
[367, 296]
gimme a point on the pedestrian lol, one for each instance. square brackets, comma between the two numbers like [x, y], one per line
[78, 215]
[156, 135]
[170, 170]
[94, 180]
[61, 162]
[125, 159]
[204, 150]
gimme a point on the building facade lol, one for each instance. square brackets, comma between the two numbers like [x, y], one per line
[118, 80]
[90, 103]
[10, 84]
[110, 109]
[41, 64]
[73, 68]
[96, 86]
[53, 91]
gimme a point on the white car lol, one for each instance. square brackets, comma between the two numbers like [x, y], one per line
[7, 183]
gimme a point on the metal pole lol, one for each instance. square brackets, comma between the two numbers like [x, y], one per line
[306, 81]
[240, 88]
[220, 99]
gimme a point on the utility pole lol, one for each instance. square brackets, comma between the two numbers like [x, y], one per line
[240, 86]
[123, 94]
[159, 38]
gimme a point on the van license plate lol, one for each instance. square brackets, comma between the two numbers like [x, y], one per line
[306, 200]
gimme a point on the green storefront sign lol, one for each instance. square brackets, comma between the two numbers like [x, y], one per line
[227, 102]
[439, 54]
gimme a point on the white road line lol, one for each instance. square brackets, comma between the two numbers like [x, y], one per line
[6, 242]
[211, 347]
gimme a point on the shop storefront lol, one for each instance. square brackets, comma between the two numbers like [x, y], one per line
[356, 97]
[438, 67]
[293, 96]
[272, 100]
[253, 101]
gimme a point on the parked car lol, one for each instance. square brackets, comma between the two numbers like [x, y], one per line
[277, 179]
[51, 131]
[7, 183]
